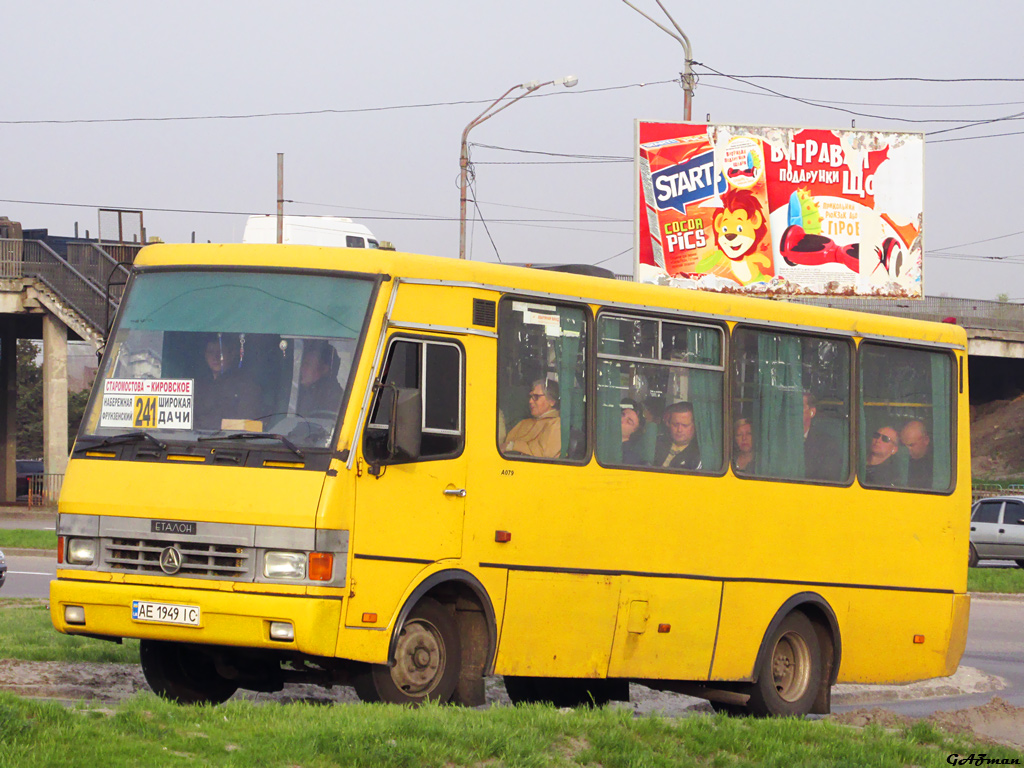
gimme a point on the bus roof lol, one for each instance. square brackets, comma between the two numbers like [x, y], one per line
[595, 290]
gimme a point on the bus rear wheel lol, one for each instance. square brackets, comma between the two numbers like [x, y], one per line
[427, 658]
[183, 673]
[790, 672]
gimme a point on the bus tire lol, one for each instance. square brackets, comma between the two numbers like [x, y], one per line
[972, 557]
[426, 665]
[182, 673]
[790, 673]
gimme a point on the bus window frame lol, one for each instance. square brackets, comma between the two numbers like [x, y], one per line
[725, 338]
[588, 371]
[852, 344]
[954, 424]
[421, 339]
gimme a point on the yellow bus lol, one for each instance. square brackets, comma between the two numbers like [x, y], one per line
[406, 473]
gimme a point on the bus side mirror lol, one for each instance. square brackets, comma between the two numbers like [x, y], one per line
[405, 433]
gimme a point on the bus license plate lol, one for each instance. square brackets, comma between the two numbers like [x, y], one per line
[165, 613]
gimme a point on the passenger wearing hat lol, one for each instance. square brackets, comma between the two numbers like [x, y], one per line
[633, 424]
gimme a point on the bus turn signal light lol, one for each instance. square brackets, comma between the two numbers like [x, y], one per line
[918, 639]
[502, 536]
[321, 566]
[664, 628]
[369, 618]
[60, 550]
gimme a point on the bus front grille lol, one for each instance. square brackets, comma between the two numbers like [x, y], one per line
[198, 560]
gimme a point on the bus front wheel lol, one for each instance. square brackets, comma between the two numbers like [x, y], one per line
[183, 673]
[790, 673]
[427, 657]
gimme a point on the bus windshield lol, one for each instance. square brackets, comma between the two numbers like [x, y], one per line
[201, 354]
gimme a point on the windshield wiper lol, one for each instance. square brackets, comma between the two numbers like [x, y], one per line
[256, 436]
[130, 437]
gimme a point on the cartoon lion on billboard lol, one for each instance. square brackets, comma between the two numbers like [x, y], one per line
[740, 231]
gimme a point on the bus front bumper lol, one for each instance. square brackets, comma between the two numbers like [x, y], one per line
[224, 618]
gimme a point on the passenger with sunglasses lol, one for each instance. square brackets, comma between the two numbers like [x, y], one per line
[539, 435]
[881, 469]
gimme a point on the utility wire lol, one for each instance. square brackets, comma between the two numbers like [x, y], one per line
[483, 221]
[309, 112]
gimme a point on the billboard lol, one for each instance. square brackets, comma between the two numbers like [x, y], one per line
[772, 210]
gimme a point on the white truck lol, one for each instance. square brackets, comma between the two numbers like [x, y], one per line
[336, 231]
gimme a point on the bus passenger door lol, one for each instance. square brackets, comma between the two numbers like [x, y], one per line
[409, 508]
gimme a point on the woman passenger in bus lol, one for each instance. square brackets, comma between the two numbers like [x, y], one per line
[881, 469]
[743, 437]
[539, 435]
[633, 425]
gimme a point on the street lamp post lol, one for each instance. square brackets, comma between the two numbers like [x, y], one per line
[528, 88]
[684, 41]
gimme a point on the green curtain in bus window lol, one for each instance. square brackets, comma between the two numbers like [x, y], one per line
[571, 389]
[704, 346]
[941, 423]
[779, 406]
[610, 389]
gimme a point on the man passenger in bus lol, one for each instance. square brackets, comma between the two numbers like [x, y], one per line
[539, 435]
[633, 424]
[915, 437]
[224, 391]
[881, 469]
[679, 450]
[743, 437]
[319, 390]
[822, 459]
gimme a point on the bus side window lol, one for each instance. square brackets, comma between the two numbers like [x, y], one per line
[906, 418]
[791, 396]
[542, 388]
[437, 372]
[649, 370]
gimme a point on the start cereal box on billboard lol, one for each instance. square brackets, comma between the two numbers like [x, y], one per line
[779, 210]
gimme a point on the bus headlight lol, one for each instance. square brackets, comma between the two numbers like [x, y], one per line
[284, 565]
[82, 551]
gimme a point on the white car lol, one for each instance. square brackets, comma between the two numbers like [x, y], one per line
[997, 530]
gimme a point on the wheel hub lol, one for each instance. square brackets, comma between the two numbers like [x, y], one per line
[791, 666]
[419, 658]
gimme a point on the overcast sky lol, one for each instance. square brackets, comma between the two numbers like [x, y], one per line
[394, 166]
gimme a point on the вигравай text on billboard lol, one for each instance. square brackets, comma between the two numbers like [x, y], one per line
[780, 210]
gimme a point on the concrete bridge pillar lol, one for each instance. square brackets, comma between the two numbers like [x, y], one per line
[55, 395]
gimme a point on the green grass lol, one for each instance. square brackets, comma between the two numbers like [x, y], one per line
[26, 633]
[1009, 580]
[20, 538]
[145, 731]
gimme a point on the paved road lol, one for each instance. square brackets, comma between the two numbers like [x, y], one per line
[29, 576]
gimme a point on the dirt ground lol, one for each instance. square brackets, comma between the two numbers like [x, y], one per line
[997, 449]
[995, 722]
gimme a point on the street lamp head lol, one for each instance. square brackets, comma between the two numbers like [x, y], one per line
[531, 86]
[568, 81]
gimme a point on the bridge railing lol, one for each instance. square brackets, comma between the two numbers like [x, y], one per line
[34, 258]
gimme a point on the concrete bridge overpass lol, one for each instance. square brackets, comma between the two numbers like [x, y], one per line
[53, 289]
